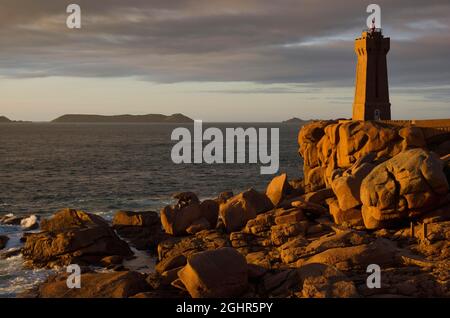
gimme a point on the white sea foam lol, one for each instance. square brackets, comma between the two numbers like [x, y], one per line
[15, 279]
[107, 215]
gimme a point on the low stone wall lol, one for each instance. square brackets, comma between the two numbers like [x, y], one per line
[434, 130]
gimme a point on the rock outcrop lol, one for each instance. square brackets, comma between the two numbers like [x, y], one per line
[278, 189]
[236, 211]
[374, 170]
[446, 160]
[3, 240]
[346, 186]
[95, 285]
[220, 273]
[350, 218]
[329, 145]
[313, 169]
[73, 237]
[173, 252]
[325, 281]
[189, 215]
[142, 229]
[406, 186]
[379, 252]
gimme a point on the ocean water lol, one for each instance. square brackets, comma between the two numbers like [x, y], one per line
[101, 168]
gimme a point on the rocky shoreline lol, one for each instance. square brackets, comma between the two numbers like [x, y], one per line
[372, 193]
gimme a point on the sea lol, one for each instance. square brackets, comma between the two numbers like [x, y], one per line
[103, 168]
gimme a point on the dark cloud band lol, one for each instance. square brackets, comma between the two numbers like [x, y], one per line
[264, 41]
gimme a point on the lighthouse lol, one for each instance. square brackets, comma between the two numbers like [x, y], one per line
[371, 84]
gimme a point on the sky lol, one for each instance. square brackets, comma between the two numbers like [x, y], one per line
[216, 60]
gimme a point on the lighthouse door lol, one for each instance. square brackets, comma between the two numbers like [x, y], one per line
[376, 114]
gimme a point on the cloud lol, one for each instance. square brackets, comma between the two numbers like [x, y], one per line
[424, 93]
[268, 89]
[261, 41]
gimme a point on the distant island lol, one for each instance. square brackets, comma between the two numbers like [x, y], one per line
[4, 119]
[150, 118]
[295, 120]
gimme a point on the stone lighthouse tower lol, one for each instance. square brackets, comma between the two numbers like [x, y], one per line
[371, 86]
